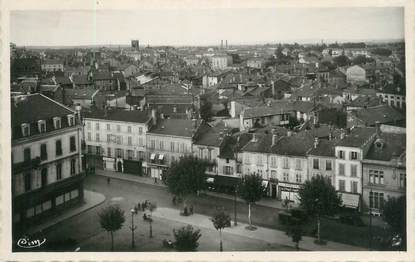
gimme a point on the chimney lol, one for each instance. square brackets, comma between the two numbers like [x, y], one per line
[154, 116]
[274, 139]
[315, 142]
[377, 123]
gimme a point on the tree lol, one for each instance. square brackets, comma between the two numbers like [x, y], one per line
[359, 60]
[341, 60]
[381, 51]
[111, 219]
[394, 213]
[318, 198]
[186, 238]
[151, 207]
[221, 220]
[296, 236]
[206, 111]
[187, 177]
[251, 189]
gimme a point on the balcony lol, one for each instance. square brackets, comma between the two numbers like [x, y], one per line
[26, 165]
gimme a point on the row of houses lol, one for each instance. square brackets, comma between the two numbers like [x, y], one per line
[365, 164]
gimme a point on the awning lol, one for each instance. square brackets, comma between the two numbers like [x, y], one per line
[210, 180]
[350, 200]
[161, 156]
[152, 156]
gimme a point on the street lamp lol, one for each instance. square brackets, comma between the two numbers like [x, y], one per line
[134, 211]
[235, 223]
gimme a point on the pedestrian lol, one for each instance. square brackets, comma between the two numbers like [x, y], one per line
[191, 209]
[174, 200]
[155, 180]
[108, 180]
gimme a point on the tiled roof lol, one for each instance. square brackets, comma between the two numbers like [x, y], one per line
[294, 145]
[208, 136]
[169, 99]
[383, 113]
[262, 144]
[357, 137]
[63, 80]
[387, 146]
[324, 148]
[135, 116]
[84, 93]
[303, 106]
[102, 76]
[80, 80]
[32, 108]
[174, 127]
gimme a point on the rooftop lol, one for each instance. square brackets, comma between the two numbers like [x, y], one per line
[387, 146]
[134, 116]
[174, 127]
[357, 137]
[382, 113]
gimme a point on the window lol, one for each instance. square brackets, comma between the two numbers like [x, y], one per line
[141, 155]
[316, 163]
[298, 164]
[341, 154]
[227, 170]
[119, 153]
[376, 200]
[285, 163]
[89, 136]
[73, 165]
[328, 165]
[57, 122]
[376, 177]
[130, 154]
[161, 144]
[298, 178]
[353, 186]
[259, 160]
[72, 144]
[140, 141]
[342, 185]
[41, 126]
[28, 182]
[98, 150]
[108, 127]
[274, 161]
[118, 128]
[172, 146]
[89, 148]
[341, 169]
[25, 129]
[402, 180]
[109, 151]
[96, 126]
[152, 144]
[285, 176]
[88, 125]
[129, 129]
[130, 141]
[273, 174]
[108, 138]
[27, 154]
[119, 140]
[353, 170]
[58, 145]
[353, 155]
[71, 120]
[181, 148]
[97, 137]
[140, 130]
[58, 171]
[43, 152]
[247, 159]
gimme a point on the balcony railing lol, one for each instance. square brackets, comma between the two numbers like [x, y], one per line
[26, 165]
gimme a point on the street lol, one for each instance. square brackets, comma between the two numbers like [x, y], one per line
[85, 228]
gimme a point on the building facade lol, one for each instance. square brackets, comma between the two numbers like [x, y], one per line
[47, 174]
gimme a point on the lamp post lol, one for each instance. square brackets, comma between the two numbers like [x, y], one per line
[235, 223]
[370, 218]
[134, 211]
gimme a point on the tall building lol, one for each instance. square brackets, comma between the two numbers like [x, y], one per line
[135, 44]
[47, 175]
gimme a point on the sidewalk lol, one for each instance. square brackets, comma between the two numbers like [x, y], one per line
[91, 199]
[261, 233]
[266, 202]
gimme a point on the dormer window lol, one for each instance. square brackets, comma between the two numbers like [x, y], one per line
[57, 122]
[41, 125]
[25, 129]
[71, 120]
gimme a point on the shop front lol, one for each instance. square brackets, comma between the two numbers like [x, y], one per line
[289, 191]
[109, 163]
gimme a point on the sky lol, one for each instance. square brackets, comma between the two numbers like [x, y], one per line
[204, 26]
